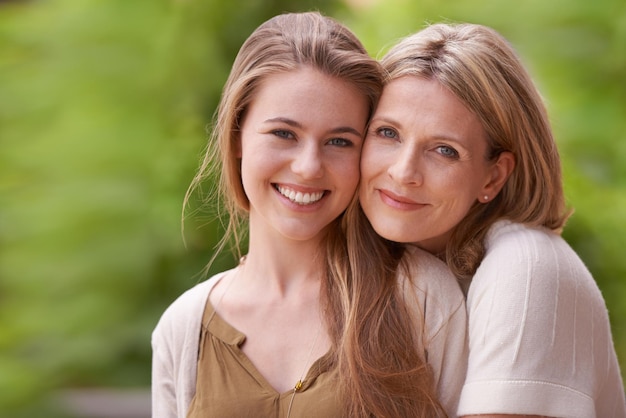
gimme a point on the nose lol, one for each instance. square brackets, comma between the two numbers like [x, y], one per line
[307, 162]
[405, 169]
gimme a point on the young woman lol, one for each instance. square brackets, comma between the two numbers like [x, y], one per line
[305, 325]
[460, 161]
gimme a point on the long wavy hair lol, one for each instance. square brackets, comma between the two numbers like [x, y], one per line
[382, 351]
[484, 72]
[374, 343]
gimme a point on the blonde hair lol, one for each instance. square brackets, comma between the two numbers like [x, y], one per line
[382, 346]
[286, 43]
[483, 71]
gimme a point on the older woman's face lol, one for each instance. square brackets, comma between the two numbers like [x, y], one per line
[423, 164]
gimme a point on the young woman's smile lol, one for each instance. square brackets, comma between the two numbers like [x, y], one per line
[299, 197]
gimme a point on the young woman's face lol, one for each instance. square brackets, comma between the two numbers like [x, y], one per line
[300, 147]
[424, 163]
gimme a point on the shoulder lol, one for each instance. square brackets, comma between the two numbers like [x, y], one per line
[535, 316]
[432, 277]
[517, 254]
[532, 269]
[507, 236]
[523, 243]
[175, 342]
[437, 290]
[184, 313]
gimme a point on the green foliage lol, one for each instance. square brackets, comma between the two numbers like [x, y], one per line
[103, 114]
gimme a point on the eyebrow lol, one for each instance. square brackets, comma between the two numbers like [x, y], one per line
[388, 120]
[338, 130]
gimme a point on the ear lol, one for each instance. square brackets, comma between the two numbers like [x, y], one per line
[499, 173]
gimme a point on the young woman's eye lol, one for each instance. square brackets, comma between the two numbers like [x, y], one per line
[387, 132]
[340, 142]
[447, 152]
[283, 134]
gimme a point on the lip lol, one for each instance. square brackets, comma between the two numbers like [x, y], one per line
[397, 201]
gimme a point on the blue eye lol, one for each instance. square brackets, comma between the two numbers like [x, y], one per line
[341, 142]
[447, 152]
[283, 134]
[387, 132]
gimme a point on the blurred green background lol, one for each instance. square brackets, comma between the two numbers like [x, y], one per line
[104, 107]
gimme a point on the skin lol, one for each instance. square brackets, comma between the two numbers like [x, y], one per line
[302, 133]
[424, 164]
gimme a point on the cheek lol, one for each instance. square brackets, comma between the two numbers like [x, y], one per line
[451, 189]
[255, 169]
[348, 172]
[459, 199]
[372, 160]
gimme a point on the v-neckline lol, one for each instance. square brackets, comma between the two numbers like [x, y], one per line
[231, 336]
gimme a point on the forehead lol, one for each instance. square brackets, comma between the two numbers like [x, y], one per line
[305, 81]
[423, 104]
[424, 94]
[307, 93]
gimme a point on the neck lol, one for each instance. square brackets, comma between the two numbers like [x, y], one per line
[281, 277]
[282, 266]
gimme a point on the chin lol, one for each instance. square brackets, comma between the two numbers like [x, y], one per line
[395, 234]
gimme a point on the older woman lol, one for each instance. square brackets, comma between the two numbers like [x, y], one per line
[460, 161]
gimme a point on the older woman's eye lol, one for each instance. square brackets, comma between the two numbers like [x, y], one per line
[447, 152]
[387, 132]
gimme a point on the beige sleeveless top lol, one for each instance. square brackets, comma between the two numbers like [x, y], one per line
[228, 384]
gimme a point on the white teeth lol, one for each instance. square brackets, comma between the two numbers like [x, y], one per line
[299, 197]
